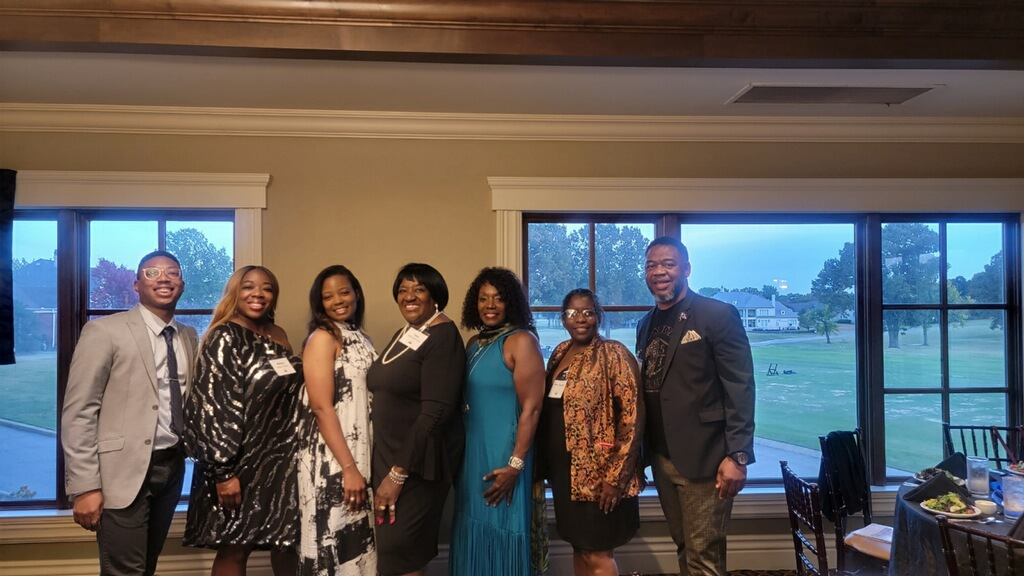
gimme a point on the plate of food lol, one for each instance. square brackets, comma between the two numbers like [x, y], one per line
[928, 473]
[1017, 468]
[950, 505]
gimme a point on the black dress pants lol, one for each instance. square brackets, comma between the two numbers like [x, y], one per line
[130, 539]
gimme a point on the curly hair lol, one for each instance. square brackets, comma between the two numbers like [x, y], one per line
[517, 305]
[584, 293]
[318, 314]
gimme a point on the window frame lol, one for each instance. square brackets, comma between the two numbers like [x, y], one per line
[517, 201]
[74, 198]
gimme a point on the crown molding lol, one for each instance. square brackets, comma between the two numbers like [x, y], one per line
[169, 120]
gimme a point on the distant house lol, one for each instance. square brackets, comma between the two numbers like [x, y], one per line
[759, 313]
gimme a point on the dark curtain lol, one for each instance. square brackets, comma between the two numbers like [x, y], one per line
[7, 178]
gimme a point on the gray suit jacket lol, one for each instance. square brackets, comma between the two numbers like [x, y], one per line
[111, 406]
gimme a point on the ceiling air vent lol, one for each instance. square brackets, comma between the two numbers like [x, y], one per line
[775, 94]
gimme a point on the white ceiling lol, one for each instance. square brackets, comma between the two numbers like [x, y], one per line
[196, 81]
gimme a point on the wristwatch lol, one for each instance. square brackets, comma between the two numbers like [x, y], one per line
[740, 457]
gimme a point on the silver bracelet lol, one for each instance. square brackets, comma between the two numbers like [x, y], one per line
[517, 463]
[396, 477]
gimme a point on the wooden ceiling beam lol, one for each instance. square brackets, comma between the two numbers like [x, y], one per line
[769, 33]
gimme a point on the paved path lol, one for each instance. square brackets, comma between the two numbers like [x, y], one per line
[28, 457]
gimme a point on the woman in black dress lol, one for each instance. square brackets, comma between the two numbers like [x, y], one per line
[589, 438]
[240, 420]
[418, 439]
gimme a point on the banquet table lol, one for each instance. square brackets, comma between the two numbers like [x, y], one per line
[916, 544]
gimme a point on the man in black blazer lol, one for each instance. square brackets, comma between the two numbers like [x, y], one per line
[698, 376]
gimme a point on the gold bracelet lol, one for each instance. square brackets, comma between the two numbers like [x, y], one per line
[517, 463]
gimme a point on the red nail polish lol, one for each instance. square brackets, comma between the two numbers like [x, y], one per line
[392, 519]
[380, 521]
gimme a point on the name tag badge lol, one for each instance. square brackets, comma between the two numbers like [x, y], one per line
[557, 389]
[282, 366]
[413, 339]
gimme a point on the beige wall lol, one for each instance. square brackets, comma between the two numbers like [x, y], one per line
[374, 204]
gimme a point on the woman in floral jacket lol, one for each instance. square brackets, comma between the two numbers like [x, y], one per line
[589, 438]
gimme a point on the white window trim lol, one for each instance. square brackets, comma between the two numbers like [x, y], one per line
[246, 194]
[511, 196]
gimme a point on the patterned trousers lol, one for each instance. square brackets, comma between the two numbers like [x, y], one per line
[697, 519]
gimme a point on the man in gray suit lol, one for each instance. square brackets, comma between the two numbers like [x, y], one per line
[121, 422]
[698, 376]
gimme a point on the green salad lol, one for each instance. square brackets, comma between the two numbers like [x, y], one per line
[950, 502]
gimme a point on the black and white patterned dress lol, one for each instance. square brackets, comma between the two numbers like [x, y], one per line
[334, 540]
[240, 420]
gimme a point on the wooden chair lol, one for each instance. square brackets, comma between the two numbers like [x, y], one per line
[805, 523]
[1000, 444]
[845, 492]
[970, 551]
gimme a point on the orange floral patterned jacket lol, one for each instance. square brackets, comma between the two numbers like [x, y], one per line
[603, 418]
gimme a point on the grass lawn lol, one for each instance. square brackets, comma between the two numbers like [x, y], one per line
[816, 396]
[29, 390]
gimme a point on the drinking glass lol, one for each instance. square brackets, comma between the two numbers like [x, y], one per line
[977, 475]
[1013, 495]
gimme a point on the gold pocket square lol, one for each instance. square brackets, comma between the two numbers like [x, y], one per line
[690, 336]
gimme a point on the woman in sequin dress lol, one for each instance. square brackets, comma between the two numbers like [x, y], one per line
[334, 433]
[240, 421]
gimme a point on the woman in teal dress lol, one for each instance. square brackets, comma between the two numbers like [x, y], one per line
[494, 491]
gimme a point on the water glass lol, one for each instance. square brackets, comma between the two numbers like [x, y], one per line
[977, 475]
[1013, 495]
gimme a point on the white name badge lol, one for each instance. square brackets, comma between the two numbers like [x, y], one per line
[413, 339]
[282, 366]
[557, 389]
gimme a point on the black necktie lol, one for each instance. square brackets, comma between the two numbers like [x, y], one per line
[172, 380]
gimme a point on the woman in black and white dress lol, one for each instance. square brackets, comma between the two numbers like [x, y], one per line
[334, 434]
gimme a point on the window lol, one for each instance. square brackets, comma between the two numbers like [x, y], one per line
[947, 328]
[824, 298]
[72, 264]
[114, 242]
[606, 257]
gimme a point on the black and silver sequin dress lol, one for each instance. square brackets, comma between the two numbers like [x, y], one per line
[240, 420]
[336, 541]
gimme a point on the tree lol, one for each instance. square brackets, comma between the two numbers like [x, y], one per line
[834, 284]
[29, 335]
[769, 290]
[112, 286]
[619, 276]
[821, 320]
[910, 274]
[987, 287]
[710, 291]
[205, 267]
[552, 264]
